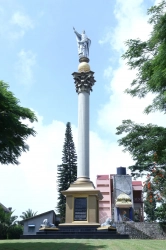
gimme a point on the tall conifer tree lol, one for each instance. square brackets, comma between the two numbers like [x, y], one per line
[67, 171]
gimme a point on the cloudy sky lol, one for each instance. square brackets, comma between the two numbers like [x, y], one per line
[38, 54]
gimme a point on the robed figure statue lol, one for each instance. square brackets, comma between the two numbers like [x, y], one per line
[83, 43]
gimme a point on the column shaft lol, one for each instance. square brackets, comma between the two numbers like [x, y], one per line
[83, 135]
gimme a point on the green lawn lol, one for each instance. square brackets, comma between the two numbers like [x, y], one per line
[75, 244]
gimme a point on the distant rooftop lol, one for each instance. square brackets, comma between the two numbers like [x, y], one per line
[8, 210]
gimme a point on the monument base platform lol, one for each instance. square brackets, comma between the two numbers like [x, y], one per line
[79, 232]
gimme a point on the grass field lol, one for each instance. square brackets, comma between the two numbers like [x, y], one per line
[75, 244]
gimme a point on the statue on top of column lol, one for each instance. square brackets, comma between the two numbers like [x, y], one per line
[83, 43]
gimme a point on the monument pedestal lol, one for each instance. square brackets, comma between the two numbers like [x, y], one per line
[82, 204]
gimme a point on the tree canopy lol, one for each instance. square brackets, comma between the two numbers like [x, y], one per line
[155, 189]
[149, 58]
[13, 131]
[145, 143]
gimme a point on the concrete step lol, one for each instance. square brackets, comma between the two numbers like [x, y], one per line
[76, 236]
[79, 233]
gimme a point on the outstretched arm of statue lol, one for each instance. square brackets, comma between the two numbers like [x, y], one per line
[77, 34]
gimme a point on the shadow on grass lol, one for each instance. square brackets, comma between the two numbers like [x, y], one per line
[49, 246]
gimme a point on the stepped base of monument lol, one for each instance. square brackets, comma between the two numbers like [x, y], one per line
[70, 232]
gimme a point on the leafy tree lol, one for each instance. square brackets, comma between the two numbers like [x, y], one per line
[148, 57]
[13, 132]
[161, 212]
[7, 220]
[150, 200]
[145, 143]
[155, 187]
[67, 171]
[28, 214]
[150, 207]
[3, 218]
[147, 146]
[158, 180]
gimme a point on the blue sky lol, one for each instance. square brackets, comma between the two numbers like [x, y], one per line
[38, 55]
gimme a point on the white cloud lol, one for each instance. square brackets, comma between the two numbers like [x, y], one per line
[24, 67]
[132, 23]
[108, 72]
[14, 26]
[122, 106]
[3, 26]
[22, 20]
[19, 24]
[157, 2]
[107, 37]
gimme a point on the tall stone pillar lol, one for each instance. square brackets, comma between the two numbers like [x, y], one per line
[84, 80]
[82, 197]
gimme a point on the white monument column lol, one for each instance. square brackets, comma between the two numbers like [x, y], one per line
[84, 81]
[83, 134]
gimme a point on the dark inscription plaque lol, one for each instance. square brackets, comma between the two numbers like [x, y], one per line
[80, 209]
